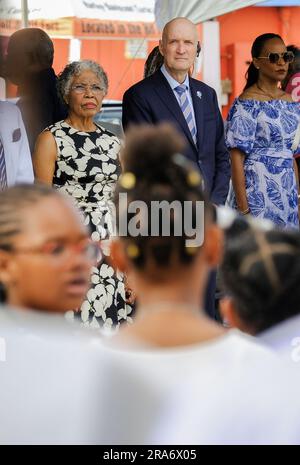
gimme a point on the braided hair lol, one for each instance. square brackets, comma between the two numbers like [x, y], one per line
[159, 173]
[154, 62]
[261, 272]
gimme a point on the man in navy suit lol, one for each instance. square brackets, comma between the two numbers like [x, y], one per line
[156, 99]
[171, 95]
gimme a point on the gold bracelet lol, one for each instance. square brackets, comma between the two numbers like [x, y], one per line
[245, 212]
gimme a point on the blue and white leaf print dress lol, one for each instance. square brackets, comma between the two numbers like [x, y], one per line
[265, 131]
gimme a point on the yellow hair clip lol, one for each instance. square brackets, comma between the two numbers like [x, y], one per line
[193, 178]
[132, 251]
[127, 180]
[191, 250]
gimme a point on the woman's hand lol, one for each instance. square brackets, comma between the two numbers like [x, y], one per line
[130, 295]
[238, 179]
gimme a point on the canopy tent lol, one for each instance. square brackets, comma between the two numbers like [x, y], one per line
[197, 11]
[61, 17]
[72, 17]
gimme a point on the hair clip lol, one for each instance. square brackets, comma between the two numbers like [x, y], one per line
[193, 178]
[191, 250]
[179, 159]
[127, 180]
[133, 251]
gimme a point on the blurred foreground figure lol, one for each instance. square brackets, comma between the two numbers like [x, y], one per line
[45, 252]
[47, 365]
[172, 346]
[261, 273]
[29, 66]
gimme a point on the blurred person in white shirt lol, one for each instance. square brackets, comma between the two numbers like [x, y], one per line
[50, 370]
[172, 345]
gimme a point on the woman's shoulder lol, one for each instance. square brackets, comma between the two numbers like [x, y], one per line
[54, 127]
[244, 107]
[252, 94]
[108, 134]
[247, 94]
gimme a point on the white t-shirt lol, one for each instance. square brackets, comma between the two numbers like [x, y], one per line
[284, 338]
[220, 391]
[50, 380]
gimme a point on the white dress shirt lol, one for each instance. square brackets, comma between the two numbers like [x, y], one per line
[15, 143]
[173, 84]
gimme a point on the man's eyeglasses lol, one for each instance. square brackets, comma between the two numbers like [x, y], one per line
[288, 57]
[81, 89]
[57, 250]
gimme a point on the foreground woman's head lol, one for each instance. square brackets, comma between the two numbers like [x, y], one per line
[160, 243]
[45, 253]
[261, 274]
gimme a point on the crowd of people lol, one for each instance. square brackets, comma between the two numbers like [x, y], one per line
[165, 365]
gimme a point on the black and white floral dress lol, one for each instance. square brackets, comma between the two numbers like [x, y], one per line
[87, 168]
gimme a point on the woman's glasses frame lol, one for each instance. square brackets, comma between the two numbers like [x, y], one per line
[274, 57]
[60, 250]
[81, 89]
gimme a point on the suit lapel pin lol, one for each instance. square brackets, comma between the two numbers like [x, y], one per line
[199, 94]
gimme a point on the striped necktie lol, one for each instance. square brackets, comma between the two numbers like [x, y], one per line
[187, 110]
[3, 179]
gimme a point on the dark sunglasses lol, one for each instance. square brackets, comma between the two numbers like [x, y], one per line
[288, 57]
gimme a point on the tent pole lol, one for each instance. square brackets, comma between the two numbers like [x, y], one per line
[211, 56]
[24, 13]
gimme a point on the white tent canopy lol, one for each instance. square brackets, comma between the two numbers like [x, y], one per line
[126, 10]
[197, 11]
[122, 10]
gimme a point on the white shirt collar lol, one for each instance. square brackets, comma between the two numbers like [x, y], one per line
[172, 82]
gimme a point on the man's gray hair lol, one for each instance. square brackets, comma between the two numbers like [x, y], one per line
[74, 69]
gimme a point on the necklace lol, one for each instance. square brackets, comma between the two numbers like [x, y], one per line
[267, 93]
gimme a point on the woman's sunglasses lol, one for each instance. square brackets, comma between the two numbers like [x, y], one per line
[288, 57]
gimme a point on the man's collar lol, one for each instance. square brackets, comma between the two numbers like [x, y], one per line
[172, 82]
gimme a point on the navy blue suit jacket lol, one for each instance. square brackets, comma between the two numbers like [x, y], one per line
[152, 100]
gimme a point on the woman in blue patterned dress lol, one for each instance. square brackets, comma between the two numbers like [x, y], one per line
[261, 131]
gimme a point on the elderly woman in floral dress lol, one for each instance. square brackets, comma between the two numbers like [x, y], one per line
[81, 158]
